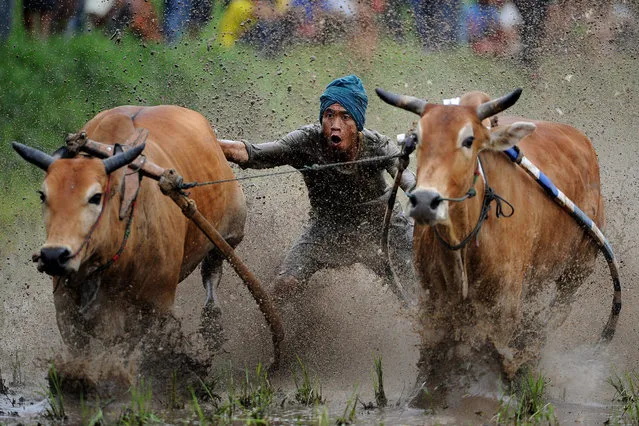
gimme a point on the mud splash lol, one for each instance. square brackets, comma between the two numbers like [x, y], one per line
[345, 316]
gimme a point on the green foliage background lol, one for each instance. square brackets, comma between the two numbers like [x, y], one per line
[49, 88]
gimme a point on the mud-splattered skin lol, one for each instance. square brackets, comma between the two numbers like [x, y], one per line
[163, 246]
[474, 298]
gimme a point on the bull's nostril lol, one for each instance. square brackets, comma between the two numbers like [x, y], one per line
[412, 199]
[435, 202]
[55, 255]
[64, 256]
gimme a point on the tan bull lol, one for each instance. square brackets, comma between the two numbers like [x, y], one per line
[477, 275]
[113, 270]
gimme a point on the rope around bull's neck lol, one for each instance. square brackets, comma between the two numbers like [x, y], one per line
[489, 197]
[311, 168]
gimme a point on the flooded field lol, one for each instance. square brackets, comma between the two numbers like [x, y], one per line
[346, 318]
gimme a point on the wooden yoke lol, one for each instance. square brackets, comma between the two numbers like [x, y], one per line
[79, 142]
[170, 184]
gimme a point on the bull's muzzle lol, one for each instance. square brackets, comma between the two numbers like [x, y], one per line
[426, 206]
[54, 260]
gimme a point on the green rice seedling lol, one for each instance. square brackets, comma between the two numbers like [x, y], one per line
[349, 411]
[627, 393]
[256, 397]
[527, 406]
[197, 409]
[228, 409]
[140, 412]
[252, 400]
[426, 398]
[89, 416]
[378, 383]
[308, 391]
[323, 418]
[213, 398]
[54, 396]
[175, 402]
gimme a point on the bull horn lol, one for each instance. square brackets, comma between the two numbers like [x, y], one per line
[63, 152]
[490, 108]
[409, 103]
[33, 156]
[111, 164]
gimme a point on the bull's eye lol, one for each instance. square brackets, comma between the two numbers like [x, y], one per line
[468, 142]
[95, 199]
[43, 198]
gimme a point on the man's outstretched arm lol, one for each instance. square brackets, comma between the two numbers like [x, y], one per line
[284, 151]
[234, 151]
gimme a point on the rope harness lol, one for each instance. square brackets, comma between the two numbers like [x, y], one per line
[408, 146]
[489, 196]
[517, 157]
[95, 224]
[125, 238]
[311, 168]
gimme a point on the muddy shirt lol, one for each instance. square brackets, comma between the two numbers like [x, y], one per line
[342, 193]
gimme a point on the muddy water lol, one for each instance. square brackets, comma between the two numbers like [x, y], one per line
[345, 317]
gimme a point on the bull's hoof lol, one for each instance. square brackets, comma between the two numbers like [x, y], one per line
[103, 376]
[211, 327]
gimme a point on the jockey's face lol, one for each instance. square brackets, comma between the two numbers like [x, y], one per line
[340, 131]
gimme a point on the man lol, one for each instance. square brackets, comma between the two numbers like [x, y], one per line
[348, 202]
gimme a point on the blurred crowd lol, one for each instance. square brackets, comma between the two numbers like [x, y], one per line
[43, 18]
[493, 27]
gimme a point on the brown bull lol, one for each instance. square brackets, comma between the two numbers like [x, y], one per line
[478, 275]
[110, 270]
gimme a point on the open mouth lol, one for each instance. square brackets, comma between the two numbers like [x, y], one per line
[335, 140]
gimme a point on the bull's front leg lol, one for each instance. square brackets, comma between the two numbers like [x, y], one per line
[211, 318]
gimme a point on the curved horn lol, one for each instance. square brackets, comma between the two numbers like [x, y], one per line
[119, 160]
[33, 156]
[490, 108]
[409, 103]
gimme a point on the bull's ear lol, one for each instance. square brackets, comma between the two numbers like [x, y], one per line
[505, 137]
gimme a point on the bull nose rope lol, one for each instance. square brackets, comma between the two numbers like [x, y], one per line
[36, 257]
[489, 196]
[95, 224]
[125, 238]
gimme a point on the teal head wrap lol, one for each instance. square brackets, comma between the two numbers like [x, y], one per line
[348, 92]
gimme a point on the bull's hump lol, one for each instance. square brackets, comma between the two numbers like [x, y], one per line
[114, 127]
